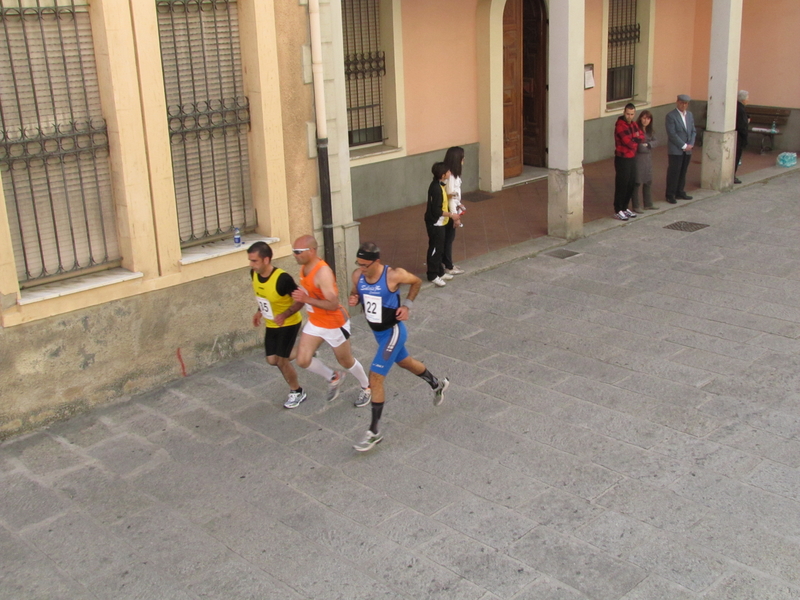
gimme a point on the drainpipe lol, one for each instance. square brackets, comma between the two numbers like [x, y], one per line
[322, 134]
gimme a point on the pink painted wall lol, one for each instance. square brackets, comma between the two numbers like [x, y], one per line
[673, 51]
[768, 66]
[701, 49]
[441, 74]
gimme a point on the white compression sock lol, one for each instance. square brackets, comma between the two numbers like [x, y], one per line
[320, 368]
[358, 372]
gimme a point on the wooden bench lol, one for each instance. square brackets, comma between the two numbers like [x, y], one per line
[767, 122]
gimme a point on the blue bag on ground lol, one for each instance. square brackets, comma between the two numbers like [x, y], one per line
[787, 159]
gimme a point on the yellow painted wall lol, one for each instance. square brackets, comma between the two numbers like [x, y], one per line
[297, 102]
[441, 74]
[64, 349]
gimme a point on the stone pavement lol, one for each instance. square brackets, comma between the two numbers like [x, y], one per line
[623, 424]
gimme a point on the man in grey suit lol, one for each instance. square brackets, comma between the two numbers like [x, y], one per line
[680, 141]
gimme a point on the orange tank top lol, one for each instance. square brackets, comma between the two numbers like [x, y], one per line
[327, 319]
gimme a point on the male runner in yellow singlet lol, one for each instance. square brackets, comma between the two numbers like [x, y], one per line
[281, 315]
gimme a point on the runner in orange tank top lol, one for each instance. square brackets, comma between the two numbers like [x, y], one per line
[327, 321]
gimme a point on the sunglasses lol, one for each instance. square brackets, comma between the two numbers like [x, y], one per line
[367, 266]
[299, 250]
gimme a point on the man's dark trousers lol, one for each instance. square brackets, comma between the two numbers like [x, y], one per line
[676, 174]
[625, 182]
[435, 251]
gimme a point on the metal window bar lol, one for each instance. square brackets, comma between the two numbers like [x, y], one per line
[365, 67]
[623, 35]
[208, 117]
[54, 146]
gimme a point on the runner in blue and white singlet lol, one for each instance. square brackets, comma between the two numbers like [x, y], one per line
[380, 308]
[376, 287]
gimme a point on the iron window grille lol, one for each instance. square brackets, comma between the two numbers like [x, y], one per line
[364, 69]
[208, 116]
[623, 35]
[54, 146]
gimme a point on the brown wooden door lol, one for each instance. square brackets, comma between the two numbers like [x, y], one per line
[512, 89]
[534, 88]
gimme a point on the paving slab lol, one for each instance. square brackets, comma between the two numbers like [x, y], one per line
[622, 424]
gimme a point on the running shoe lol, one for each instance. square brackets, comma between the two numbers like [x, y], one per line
[438, 282]
[364, 398]
[447, 276]
[369, 442]
[630, 213]
[294, 399]
[456, 270]
[622, 215]
[438, 393]
[335, 384]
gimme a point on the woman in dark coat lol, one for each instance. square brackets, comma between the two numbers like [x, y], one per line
[644, 163]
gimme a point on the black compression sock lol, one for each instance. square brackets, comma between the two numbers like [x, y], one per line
[428, 376]
[377, 409]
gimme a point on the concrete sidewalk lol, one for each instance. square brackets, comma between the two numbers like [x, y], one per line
[623, 424]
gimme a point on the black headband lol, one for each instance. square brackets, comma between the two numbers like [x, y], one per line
[367, 255]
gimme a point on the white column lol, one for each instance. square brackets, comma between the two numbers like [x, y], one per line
[565, 123]
[719, 140]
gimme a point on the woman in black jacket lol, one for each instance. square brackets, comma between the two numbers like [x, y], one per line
[437, 217]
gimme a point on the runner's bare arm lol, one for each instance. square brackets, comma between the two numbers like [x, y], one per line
[397, 277]
[280, 319]
[327, 284]
[353, 299]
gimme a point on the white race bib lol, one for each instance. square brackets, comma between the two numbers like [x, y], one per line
[373, 308]
[266, 308]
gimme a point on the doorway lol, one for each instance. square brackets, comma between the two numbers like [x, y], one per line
[524, 86]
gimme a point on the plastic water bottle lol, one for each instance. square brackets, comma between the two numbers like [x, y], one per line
[237, 237]
[774, 126]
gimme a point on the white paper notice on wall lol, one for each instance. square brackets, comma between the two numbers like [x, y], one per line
[588, 77]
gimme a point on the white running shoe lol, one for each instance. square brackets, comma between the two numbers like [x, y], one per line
[438, 393]
[438, 282]
[447, 276]
[622, 215]
[364, 397]
[630, 213]
[369, 442]
[335, 384]
[456, 270]
[294, 399]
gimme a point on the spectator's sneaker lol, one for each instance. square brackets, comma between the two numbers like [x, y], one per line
[630, 213]
[456, 270]
[438, 393]
[438, 282]
[294, 399]
[334, 385]
[369, 442]
[364, 398]
[447, 276]
[622, 215]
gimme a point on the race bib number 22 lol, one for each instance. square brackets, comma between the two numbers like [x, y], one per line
[373, 308]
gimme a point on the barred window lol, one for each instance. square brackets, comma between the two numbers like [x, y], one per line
[623, 35]
[365, 68]
[208, 116]
[54, 147]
